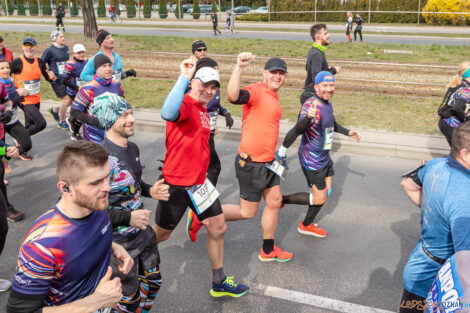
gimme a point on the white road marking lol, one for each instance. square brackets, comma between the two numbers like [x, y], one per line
[313, 300]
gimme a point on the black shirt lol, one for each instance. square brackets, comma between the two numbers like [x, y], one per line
[316, 62]
[16, 66]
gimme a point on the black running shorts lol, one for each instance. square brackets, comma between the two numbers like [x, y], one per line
[169, 213]
[317, 177]
[253, 179]
[59, 90]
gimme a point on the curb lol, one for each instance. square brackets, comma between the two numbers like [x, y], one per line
[376, 143]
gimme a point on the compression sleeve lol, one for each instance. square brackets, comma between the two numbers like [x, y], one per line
[243, 97]
[120, 217]
[302, 125]
[84, 118]
[88, 71]
[341, 129]
[43, 68]
[172, 104]
[16, 66]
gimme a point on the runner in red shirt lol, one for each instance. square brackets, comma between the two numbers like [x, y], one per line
[185, 168]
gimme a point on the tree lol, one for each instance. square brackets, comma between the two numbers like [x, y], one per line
[33, 8]
[101, 10]
[162, 10]
[178, 10]
[89, 20]
[46, 7]
[214, 6]
[21, 10]
[130, 7]
[446, 6]
[196, 10]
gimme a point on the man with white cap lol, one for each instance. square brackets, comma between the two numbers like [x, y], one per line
[55, 57]
[185, 168]
[71, 79]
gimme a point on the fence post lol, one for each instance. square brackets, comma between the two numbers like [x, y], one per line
[419, 9]
[6, 5]
[368, 19]
[315, 11]
[39, 8]
[269, 11]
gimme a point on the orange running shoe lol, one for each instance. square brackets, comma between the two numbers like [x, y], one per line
[312, 230]
[276, 255]
[193, 226]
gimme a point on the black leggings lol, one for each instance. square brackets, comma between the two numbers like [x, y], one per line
[446, 130]
[34, 121]
[357, 31]
[214, 168]
[416, 302]
[3, 212]
[21, 135]
[291, 135]
[214, 26]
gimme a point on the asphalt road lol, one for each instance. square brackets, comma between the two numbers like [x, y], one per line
[271, 35]
[371, 225]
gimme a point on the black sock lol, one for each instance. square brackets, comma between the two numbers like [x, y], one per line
[218, 275]
[311, 214]
[302, 198]
[268, 245]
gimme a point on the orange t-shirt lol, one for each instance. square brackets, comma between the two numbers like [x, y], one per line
[30, 79]
[260, 127]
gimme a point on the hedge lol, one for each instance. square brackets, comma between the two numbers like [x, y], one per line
[101, 10]
[446, 6]
[131, 10]
[33, 8]
[162, 10]
[196, 10]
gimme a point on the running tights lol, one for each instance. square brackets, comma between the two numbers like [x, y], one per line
[3, 212]
[446, 130]
[291, 135]
[411, 303]
[143, 298]
[34, 121]
[21, 135]
[360, 34]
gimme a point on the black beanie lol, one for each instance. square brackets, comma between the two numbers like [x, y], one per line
[198, 44]
[205, 62]
[101, 37]
[101, 59]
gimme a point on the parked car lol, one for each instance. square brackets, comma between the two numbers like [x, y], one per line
[261, 10]
[205, 8]
[186, 7]
[241, 10]
[172, 8]
[122, 7]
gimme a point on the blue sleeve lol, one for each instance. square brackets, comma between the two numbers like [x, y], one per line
[88, 71]
[222, 110]
[45, 56]
[171, 107]
[118, 61]
[422, 172]
[461, 232]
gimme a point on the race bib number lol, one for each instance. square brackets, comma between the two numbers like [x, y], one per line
[203, 196]
[277, 168]
[79, 82]
[213, 122]
[60, 67]
[32, 86]
[117, 75]
[328, 138]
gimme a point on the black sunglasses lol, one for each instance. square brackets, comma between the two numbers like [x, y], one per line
[201, 49]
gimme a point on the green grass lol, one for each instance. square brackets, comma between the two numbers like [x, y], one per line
[364, 111]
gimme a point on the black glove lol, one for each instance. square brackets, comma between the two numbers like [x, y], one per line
[130, 73]
[6, 116]
[228, 120]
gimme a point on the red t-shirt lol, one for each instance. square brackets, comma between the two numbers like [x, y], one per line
[260, 124]
[187, 145]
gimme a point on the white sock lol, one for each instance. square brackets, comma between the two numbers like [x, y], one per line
[282, 151]
[311, 199]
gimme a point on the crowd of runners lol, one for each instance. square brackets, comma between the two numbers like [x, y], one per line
[116, 266]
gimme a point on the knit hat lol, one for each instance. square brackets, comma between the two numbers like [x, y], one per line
[205, 62]
[324, 76]
[198, 44]
[108, 107]
[101, 59]
[55, 34]
[102, 36]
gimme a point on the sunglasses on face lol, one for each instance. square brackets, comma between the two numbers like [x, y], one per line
[28, 45]
[201, 49]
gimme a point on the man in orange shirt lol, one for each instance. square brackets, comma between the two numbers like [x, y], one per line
[257, 171]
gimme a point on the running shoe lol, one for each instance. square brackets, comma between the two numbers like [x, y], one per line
[76, 137]
[276, 255]
[5, 285]
[63, 125]
[193, 226]
[228, 288]
[14, 215]
[311, 230]
[55, 115]
[282, 160]
[25, 156]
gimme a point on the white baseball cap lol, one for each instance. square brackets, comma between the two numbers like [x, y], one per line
[78, 48]
[208, 74]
